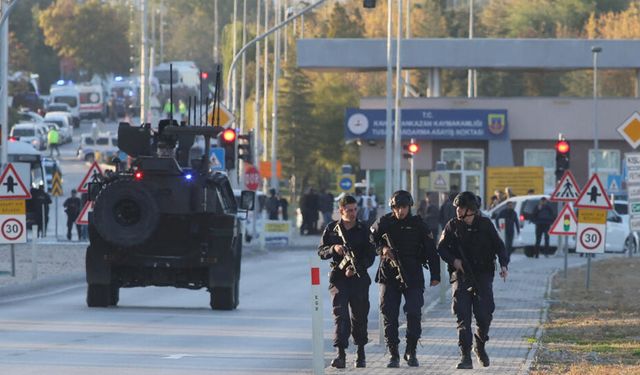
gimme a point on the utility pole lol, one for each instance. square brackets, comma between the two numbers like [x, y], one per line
[216, 45]
[274, 114]
[397, 141]
[243, 86]
[4, 84]
[144, 72]
[265, 92]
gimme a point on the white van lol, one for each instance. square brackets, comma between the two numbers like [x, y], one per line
[63, 92]
[185, 75]
[92, 101]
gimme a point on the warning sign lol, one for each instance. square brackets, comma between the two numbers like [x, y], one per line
[56, 184]
[519, 179]
[567, 189]
[439, 181]
[93, 171]
[566, 222]
[593, 195]
[83, 218]
[11, 185]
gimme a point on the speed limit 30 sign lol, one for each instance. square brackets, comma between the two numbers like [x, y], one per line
[591, 232]
[13, 221]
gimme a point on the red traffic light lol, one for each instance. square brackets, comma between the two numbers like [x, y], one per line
[413, 148]
[562, 147]
[204, 75]
[229, 135]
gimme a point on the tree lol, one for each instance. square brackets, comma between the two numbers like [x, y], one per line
[93, 34]
[297, 134]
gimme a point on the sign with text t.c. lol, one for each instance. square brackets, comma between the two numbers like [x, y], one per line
[593, 195]
[84, 184]
[567, 189]
[566, 222]
[11, 185]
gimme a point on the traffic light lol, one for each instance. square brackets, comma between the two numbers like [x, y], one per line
[563, 154]
[369, 3]
[227, 140]
[410, 149]
[245, 147]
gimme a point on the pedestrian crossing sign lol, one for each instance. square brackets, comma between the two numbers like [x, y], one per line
[216, 158]
[567, 189]
[95, 170]
[11, 185]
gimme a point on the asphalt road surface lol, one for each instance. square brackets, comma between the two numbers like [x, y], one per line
[172, 331]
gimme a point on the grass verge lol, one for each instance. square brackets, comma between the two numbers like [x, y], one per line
[595, 331]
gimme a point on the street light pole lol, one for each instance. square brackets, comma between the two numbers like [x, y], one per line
[397, 141]
[594, 50]
[388, 144]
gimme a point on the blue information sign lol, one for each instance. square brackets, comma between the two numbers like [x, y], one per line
[216, 157]
[429, 124]
[346, 183]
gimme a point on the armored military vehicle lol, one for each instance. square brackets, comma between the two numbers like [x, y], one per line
[166, 220]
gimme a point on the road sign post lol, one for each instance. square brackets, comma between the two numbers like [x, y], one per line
[633, 190]
[592, 220]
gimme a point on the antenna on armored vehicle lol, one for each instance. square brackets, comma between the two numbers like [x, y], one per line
[171, 93]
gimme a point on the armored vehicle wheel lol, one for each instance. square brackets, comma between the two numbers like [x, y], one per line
[98, 295]
[125, 214]
[224, 298]
[114, 295]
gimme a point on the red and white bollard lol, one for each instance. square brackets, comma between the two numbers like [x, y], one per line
[316, 318]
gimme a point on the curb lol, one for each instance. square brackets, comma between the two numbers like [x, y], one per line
[45, 284]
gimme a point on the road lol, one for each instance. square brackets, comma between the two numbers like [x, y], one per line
[173, 331]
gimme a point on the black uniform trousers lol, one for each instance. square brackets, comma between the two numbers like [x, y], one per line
[350, 293]
[508, 241]
[390, 299]
[481, 305]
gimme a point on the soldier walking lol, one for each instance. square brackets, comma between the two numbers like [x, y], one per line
[348, 281]
[405, 245]
[469, 244]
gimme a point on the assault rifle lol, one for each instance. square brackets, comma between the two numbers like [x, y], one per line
[348, 257]
[468, 272]
[395, 262]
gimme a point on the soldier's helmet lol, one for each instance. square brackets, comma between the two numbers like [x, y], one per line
[401, 198]
[468, 200]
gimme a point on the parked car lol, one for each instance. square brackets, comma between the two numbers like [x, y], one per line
[58, 107]
[50, 167]
[64, 122]
[29, 116]
[102, 149]
[34, 134]
[615, 238]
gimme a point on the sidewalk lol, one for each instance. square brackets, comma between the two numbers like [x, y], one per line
[520, 303]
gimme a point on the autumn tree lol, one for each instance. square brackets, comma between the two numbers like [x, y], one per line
[92, 33]
[296, 131]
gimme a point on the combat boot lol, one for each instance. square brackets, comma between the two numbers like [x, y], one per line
[394, 356]
[465, 359]
[360, 358]
[340, 360]
[410, 353]
[480, 352]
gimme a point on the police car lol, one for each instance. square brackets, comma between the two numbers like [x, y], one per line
[617, 238]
